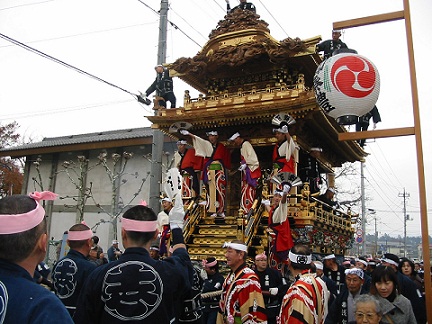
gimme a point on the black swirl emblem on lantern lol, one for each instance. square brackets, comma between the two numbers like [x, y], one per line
[302, 259]
[132, 291]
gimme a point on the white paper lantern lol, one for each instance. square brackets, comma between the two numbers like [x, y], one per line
[346, 86]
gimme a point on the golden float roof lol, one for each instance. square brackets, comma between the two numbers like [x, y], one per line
[246, 77]
[241, 44]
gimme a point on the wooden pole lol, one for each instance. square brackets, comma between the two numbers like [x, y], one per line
[406, 15]
[420, 165]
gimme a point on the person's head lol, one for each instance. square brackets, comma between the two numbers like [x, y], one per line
[354, 279]
[210, 265]
[167, 204]
[319, 268]
[417, 266]
[390, 260]
[384, 282]
[181, 146]
[371, 265]
[299, 258]
[367, 310]
[23, 230]
[115, 243]
[236, 139]
[330, 192]
[261, 261]
[361, 263]
[95, 240]
[213, 136]
[347, 264]
[80, 238]
[329, 261]
[236, 253]
[277, 197]
[280, 137]
[139, 226]
[159, 68]
[406, 266]
[336, 34]
[154, 252]
[315, 152]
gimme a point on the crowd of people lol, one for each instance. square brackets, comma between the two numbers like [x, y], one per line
[138, 287]
[156, 283]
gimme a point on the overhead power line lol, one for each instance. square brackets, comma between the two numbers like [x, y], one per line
[171, 23]
[277, 22]
[81, 34]
[47, 56]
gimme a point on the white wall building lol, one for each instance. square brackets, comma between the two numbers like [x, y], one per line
[108, 194]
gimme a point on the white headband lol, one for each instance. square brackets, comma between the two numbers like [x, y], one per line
[355, 271]
[390, 261]
[319, 265]
[300, 258]
[283, 129]
[317, 149]
[234, 136]
[362, 261]
[329, 257]
[235, 246]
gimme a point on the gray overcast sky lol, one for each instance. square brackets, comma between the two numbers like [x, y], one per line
[117, 41]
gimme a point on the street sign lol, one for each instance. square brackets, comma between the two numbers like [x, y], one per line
[359, 239]
[359, 232]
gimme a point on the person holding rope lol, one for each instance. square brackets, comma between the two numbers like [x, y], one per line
[137, 287]
[211, 289]
[273, 286]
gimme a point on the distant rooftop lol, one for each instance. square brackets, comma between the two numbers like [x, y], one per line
[131, 136]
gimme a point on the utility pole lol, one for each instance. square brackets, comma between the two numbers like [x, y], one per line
[373, 212]
[158, 136]
[404, 195]
[363, 202]
[376, 237]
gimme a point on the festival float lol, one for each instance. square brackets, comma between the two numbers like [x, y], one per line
[246, 78]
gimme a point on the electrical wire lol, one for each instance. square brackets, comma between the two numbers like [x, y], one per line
[205, 37]
[47, 56]
[24, 115]
[218, 4]
[171, 23]
[25, 5]
[80, 34]
[277, 22]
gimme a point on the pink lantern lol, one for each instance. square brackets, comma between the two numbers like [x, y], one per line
[346, 87]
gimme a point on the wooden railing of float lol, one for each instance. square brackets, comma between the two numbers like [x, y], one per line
[193, 213]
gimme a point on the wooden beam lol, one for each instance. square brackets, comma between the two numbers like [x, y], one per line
[420, 164]
[405, 131]
[392, 16]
